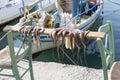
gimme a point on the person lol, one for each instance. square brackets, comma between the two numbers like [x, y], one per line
[92, 2]
[64, 5]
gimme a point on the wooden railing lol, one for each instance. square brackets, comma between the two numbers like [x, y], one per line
[48, 31]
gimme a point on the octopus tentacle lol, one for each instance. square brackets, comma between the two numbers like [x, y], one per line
[54, 36]
[65, 32]
[76, 32]
[86, 33]
[68, 56]
[26, 31]
[82, 37]
[71, 42]
[78, 52]
[63, 43]
[58, 48]
[60, 33]
[25, 34]
[29, 29]
[22, 29]
[58, 51]
[40, 30]
[36, 38]
[71, 38]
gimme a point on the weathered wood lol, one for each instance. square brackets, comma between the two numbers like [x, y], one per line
[90, 35]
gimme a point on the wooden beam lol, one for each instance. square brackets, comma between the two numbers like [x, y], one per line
[90, 35]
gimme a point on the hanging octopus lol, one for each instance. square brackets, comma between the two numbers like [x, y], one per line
[71, 40]
[36, 31]
[73, 33]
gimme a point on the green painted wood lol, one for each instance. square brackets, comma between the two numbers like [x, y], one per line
[19, 56]
[106, 48]
[30, 56]
[12, 55]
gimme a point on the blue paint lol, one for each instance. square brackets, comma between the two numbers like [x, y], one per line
[20, 12]
[41, 38]
[41, 5]
[82, 3]
[46, 41]
[91, 22]
[74, 8]
[57, 19]
[49, 1]
[23, 3]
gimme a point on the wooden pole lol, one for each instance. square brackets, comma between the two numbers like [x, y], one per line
[48, 31]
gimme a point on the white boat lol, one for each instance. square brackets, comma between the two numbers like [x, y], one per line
[46, 42]
[81, 21]
[10, 9]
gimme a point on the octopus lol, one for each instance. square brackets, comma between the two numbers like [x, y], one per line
[73, 33]
[69, 39]
[68, 36]
[36, 31]
[26, 31]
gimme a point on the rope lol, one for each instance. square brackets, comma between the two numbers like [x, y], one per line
[3, 36]
[114, 2]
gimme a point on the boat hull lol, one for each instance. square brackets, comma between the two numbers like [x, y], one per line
[7, 15]
[47, 43]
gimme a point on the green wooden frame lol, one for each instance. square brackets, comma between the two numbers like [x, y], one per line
[15, 58]
[106, 48]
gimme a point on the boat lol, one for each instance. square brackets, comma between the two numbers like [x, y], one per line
[15, 5]
[81, 15]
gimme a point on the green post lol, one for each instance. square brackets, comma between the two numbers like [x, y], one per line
[107, 51]
[12, 55]
[30, 56]
[112, 50]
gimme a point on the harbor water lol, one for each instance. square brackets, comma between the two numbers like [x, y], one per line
[111, 12]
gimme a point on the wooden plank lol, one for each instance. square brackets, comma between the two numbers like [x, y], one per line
[90, 35]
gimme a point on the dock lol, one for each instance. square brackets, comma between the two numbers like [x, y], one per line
[58, 71]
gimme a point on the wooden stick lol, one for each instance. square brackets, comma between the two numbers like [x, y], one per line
[90, 35]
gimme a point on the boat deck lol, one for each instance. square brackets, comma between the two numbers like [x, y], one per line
[6, 3]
